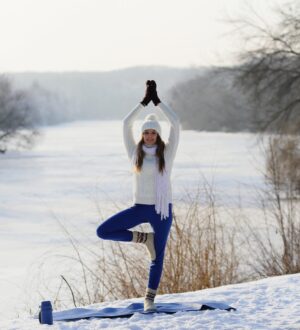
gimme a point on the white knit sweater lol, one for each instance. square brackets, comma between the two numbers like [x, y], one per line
[144, 181]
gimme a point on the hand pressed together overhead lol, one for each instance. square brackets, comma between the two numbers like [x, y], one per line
[150, 94]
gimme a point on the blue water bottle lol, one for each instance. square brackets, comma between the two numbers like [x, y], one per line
[46, 316]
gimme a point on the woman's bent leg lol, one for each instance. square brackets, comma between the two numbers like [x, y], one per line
[116, 227]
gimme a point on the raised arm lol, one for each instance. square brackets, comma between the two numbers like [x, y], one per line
[173, 119]
[128, 121]
[128, 137]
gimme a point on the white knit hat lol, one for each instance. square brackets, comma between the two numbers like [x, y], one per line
[151, 122]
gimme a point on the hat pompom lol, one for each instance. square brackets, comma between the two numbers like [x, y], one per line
[151, 116]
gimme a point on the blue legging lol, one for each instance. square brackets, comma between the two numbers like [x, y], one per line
[116, 229]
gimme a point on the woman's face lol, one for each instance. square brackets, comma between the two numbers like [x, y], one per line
[150, 136]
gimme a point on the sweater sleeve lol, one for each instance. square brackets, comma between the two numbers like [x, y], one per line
[128, 137]
[173, 119]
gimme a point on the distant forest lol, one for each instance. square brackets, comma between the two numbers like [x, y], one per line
[211, 102]
[205, 99]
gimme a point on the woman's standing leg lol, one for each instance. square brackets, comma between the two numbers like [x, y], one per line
[161, 232]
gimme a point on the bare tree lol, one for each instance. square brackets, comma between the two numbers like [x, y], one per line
[283, 164]
[274, 242]
[270, 69]
[16, 117]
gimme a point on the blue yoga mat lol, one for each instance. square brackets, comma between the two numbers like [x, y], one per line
[113, 312]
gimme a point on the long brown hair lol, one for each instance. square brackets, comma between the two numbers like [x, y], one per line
[140, 153]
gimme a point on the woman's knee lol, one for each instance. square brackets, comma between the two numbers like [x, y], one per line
[107, 227]
[101, 232]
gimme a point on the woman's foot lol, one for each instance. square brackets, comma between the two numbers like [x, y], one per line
[147, 239]
[149, 305]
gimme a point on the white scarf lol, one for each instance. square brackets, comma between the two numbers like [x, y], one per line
[161, 183]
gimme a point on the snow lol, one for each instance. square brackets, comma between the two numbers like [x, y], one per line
[80, 169]
[271, 303]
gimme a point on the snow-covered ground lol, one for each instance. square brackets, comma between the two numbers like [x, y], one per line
[79, 170]
[272, 303]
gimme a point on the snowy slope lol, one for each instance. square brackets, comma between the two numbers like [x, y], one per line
[272, 303]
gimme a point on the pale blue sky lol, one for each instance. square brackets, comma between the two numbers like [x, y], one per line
[88, 35]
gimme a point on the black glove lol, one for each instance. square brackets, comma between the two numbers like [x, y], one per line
[148, 93]
[154, 95]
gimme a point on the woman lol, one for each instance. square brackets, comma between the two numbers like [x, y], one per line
[152, 160]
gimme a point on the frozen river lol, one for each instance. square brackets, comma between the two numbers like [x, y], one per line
[79, 173]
